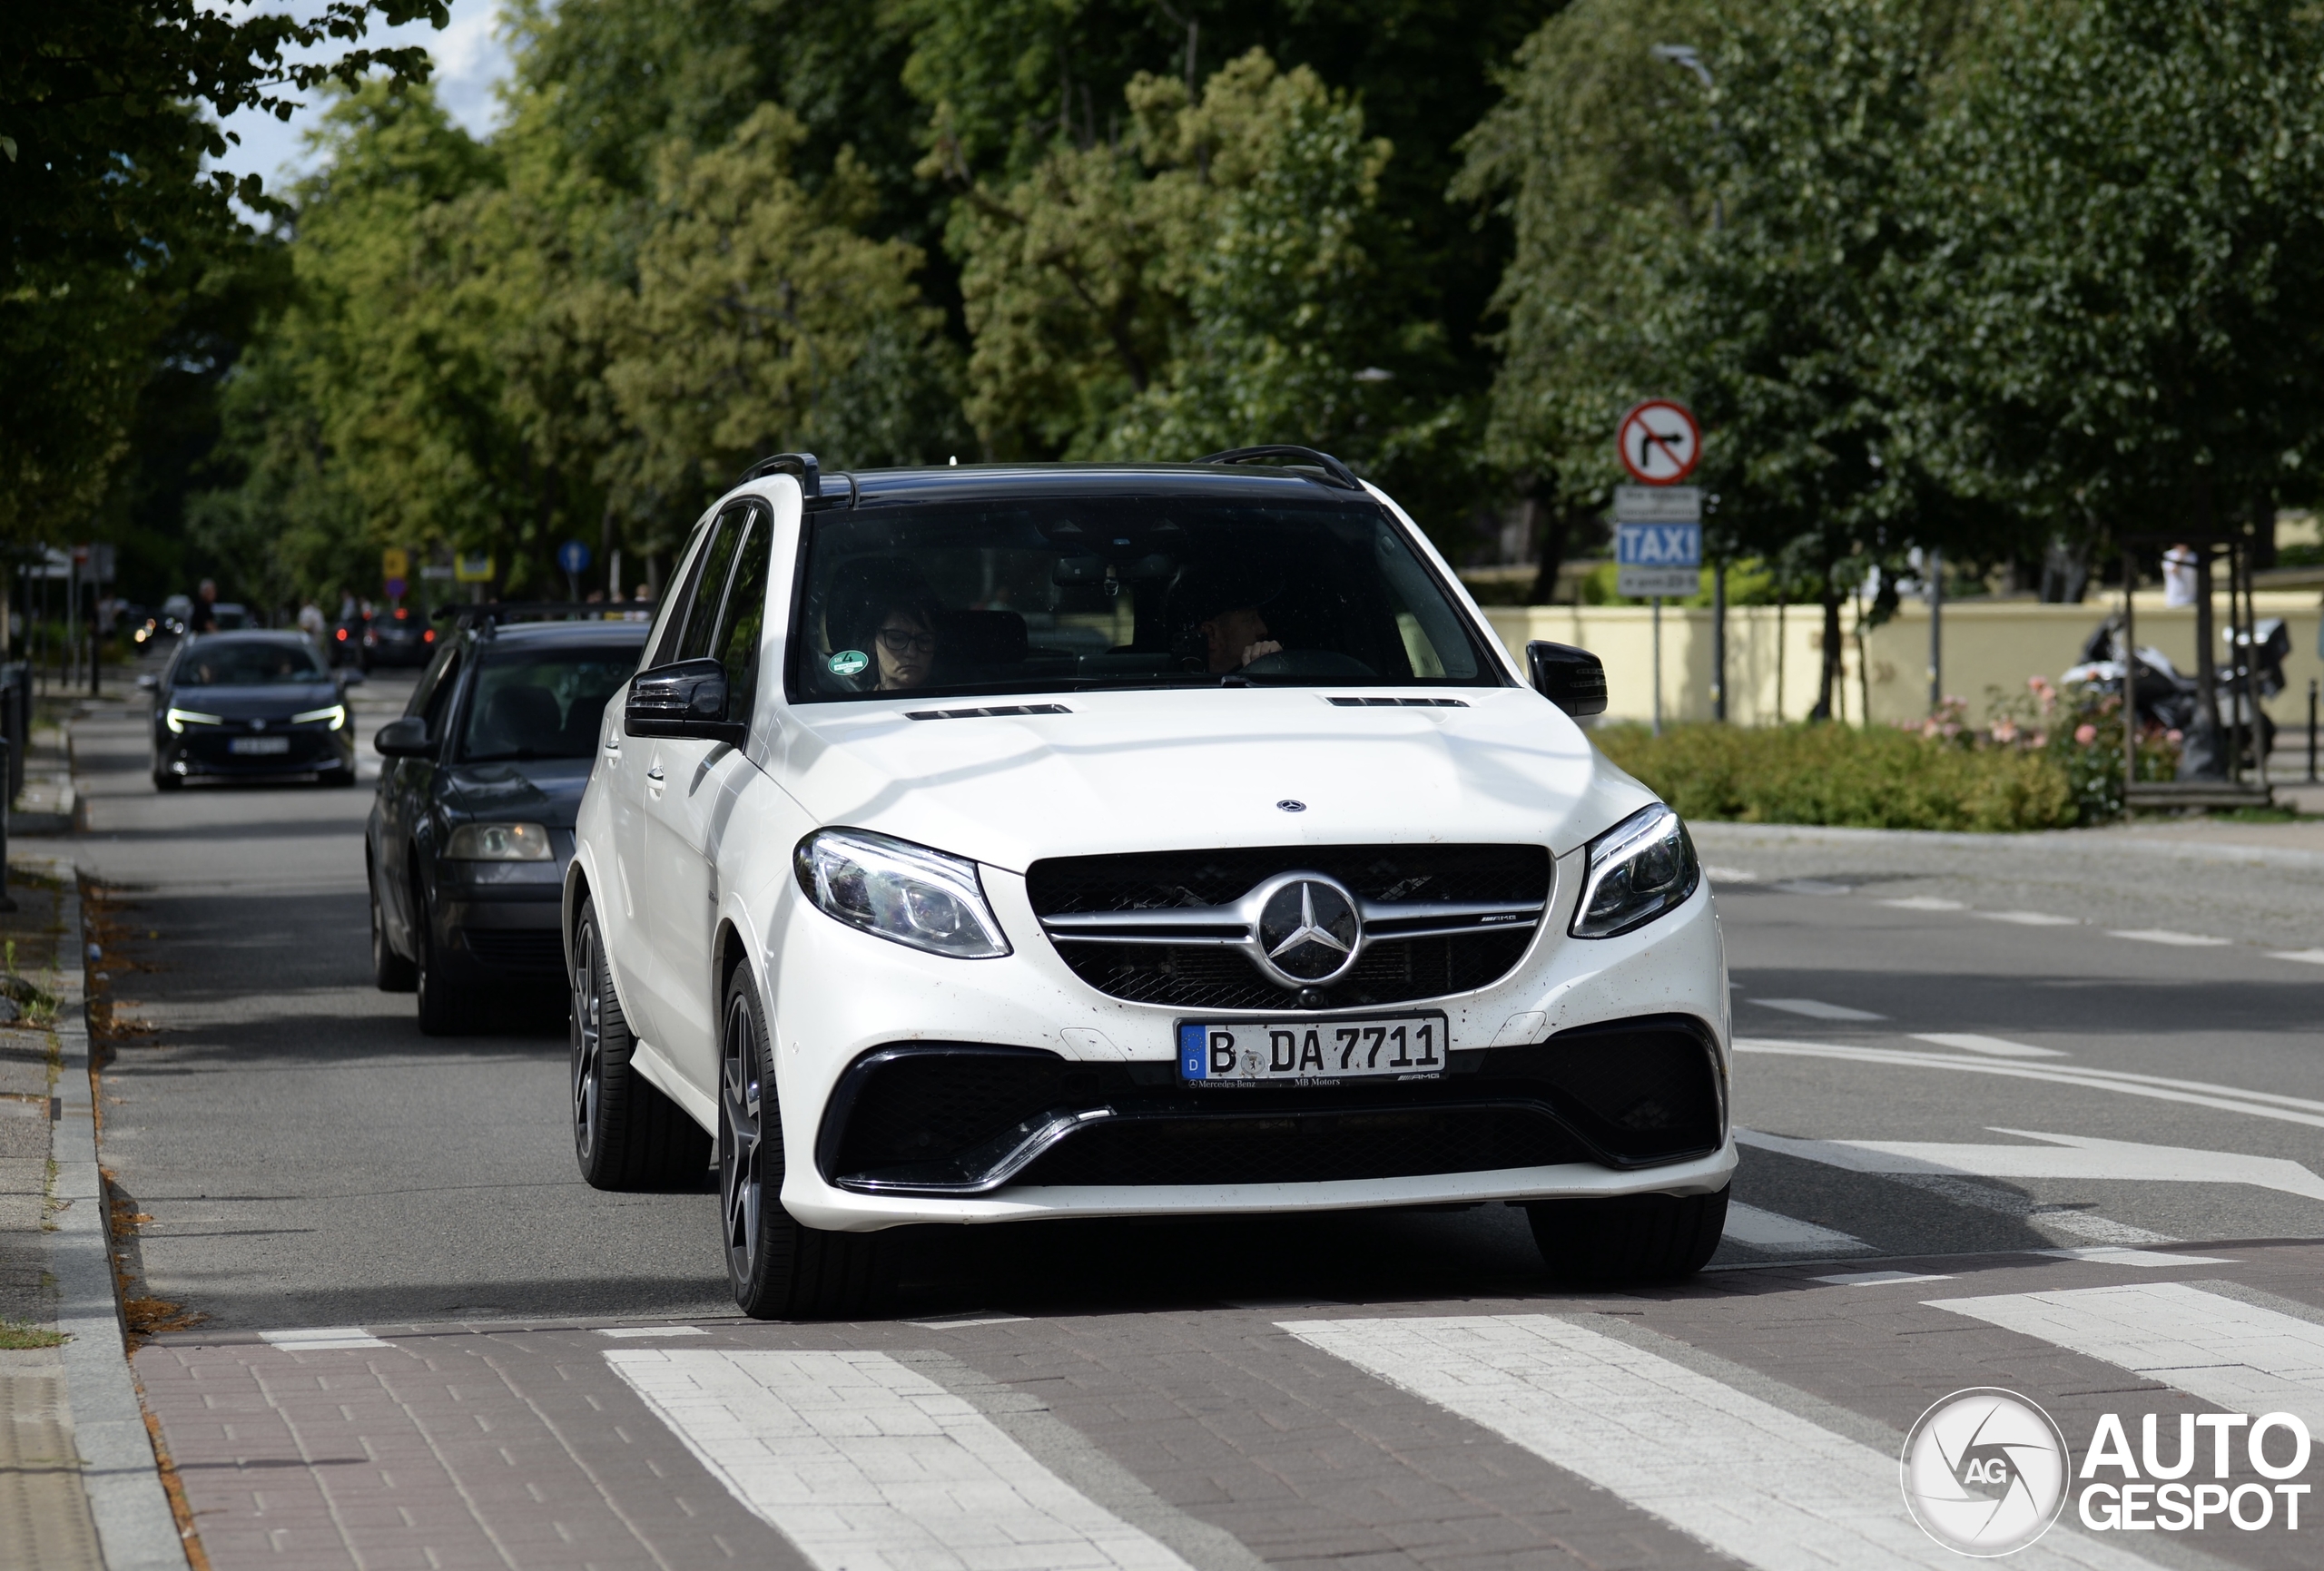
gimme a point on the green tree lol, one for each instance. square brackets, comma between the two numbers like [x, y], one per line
[106, 218]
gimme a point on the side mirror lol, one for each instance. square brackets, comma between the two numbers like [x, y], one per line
[687, 699]
[405, 738]
[149, 683]
[1572, 679]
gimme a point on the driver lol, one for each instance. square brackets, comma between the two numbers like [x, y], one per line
[1235, 637]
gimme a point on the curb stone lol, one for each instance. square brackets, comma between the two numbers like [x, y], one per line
[1713, 831]
[136, 1528]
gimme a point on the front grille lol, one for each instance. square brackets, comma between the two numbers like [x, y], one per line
[1628, 1094]
[517, 949]
[1205, 977]
[1307, 1148]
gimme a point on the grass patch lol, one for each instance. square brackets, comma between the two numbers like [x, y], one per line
[1879, 777]
[16, 1337]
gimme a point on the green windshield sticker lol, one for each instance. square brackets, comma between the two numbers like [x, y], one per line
[848, 661]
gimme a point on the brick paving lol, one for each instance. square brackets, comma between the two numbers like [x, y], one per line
[517, 1445]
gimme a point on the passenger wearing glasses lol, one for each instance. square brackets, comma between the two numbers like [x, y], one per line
[906, 640]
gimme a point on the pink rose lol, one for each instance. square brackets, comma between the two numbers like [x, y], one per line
[2086, 734]
[2005, 730]
[2173, 738]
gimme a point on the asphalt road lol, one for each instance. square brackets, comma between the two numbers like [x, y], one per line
[2071, 1090]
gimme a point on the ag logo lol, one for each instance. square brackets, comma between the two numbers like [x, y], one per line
[1986, 1472]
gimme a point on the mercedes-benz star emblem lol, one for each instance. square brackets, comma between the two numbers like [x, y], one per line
[257, 725]
[1308, 931]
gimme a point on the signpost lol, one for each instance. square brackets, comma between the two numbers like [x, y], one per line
[573, 558]
[1658, 526]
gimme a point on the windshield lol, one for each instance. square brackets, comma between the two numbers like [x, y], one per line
[542, 702]
[1072, 593]
[256, 663]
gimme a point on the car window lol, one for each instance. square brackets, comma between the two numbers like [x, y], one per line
[708, 587]
[432, 680]
[1064, 593]
[250, 663]
[538, 703]
[440, 698]
[744, 617]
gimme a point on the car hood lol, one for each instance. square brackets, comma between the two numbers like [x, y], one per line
[546, 791]
[1185, 771]
[271, 702]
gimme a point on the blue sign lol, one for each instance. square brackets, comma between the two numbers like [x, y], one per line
[574, 557]
[1659, 545]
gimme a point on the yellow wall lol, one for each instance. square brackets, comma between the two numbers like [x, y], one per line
[1990, 643]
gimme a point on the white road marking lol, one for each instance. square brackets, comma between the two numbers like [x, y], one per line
[2071, 1156]
[1754, 1482]
[1816, 1009]
[2197, 1093]
[1877, 1278]
[1992, 1046]
[2219, 1350]
[2030, 918]
[322, 1339]
[1728, 874]
[2311, 956]
[2165, 936]
[867, 1465]
[1779, 1234]
[1814, 887]
[1925, 903]
[652, 1332]
[2147, 1259]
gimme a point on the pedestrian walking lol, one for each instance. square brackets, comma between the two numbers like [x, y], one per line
[311, 622]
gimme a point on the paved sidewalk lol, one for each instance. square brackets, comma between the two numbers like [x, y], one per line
[45, 1517]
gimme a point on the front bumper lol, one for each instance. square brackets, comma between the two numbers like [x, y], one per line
[888, 994]
[206, 752]
[499, 923]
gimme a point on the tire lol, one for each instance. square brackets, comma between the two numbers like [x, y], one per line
[166, 782]
[390, 972]
[446, 1008]
[627, 1135]
[779, 1268]
[340, 778]
[1632, 1238]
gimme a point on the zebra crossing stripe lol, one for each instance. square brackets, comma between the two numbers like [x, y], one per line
[2226, 1352]
[1753, 1481]
[864, 1464]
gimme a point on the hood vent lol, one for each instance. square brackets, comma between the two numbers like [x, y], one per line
[998, 709]
[1398, 702]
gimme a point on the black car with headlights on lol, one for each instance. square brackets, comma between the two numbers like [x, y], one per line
[472, 827]
[249, 706]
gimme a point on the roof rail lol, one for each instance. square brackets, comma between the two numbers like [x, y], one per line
[1335, 472]
[491, 613]
[802, 465]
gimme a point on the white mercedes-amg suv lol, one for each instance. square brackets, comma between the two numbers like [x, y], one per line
[989, 844]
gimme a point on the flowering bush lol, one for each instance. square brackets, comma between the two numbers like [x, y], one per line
[2080, 726]
[1880, 777]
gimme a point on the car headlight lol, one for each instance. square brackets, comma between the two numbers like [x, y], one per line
[179, 718]
[498, 843]
[900, 891]
[334, 712]
[1638, 870]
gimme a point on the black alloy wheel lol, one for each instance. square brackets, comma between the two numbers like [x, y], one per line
[1629, 1238]
[390, 972]
[163, 781]
[779, 1268]
[626, 1134]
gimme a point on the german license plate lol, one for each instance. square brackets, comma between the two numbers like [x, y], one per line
[1312, 1052]
[247, 745]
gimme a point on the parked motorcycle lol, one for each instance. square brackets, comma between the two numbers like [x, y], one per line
[2168, 700]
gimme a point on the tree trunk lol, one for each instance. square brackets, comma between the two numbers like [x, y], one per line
[1551, 529]
[1827, 684]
